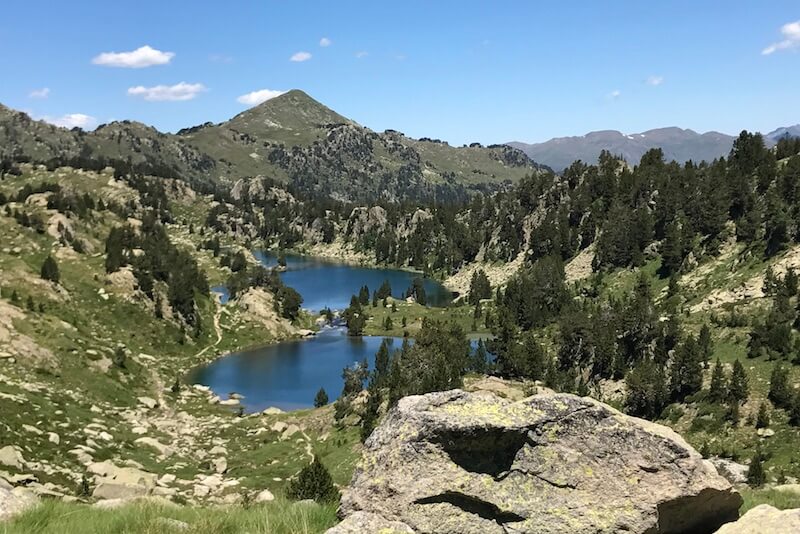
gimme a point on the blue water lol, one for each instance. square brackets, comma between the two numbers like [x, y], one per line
[222, 291]
[324, 283]
[288, 375]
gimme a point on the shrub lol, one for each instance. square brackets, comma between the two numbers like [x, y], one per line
[313, 482]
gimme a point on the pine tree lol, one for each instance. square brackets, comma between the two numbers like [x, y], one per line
[780, 392]
[738, 387]
[794, 410]
[313, 482]
[478, 358]
[50, 270]
[756, 476]
[120, 357]
[705, 344]
[321, 398]
[382, 364]
[479, 287]
[717, 391]
[370, 418]
[387, 323]
[762, 419]
[686, 372]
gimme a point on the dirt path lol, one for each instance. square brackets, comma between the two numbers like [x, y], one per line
[217, 328]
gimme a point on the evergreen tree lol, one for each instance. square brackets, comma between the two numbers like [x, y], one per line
[313, 482]
[120, 357]
[794, 410]
[370, 418]
[762, 419]
[705, 345]
[478, 359]
[321, 398]
[756, 476]
[718, 389]
[738, 388]
[382, 364]
[385, 290]
[50, 270]
[780, 392]
[363, 296]
[647, 390]
[479, 287]
[387, 323]
[672, 250]
[686, 371]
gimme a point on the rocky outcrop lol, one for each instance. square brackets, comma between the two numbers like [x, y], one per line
[458, 462]
[364, 523]
[765, 518]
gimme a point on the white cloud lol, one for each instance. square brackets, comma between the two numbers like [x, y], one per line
[655, 80]
[178, 92]
[325, 42]
[257, 97]
[144, 56]
[44, 92]
[71, 120]
[616, 93]
[300, 56]
[361, 54]
[791, 34]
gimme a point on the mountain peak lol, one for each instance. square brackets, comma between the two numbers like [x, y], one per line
[286, 117]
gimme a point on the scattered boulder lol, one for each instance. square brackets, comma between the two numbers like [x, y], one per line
[765, 518]
[14, 501]
[736, 473]
[220, 464]
[264, 496]
[765, 432]
[279, 426]
[290, 431]
[366, 523]
[11, 457]
[546, 464]
[148, 402]
[114, 482]
[154, 444]
[788, 488]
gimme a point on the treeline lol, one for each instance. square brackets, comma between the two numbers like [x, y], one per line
[154, 258]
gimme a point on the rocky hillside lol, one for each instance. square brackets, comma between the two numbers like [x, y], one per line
[291, 138]
[93, 351]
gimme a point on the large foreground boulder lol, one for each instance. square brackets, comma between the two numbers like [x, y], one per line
[765, 519]
[457, 462]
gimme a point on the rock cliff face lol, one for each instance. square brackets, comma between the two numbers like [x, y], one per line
[457, 462]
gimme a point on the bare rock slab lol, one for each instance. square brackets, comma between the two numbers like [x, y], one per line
[765, 519]
[458, 462]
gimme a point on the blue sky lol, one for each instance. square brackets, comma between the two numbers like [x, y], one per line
[461, 71]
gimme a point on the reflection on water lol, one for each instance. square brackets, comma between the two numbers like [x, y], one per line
[289, 374]
[324, 283]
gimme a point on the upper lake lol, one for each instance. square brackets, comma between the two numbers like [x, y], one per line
[325, 283]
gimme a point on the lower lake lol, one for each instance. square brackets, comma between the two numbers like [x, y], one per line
[288, 375]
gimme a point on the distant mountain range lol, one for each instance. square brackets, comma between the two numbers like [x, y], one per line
[678, 144]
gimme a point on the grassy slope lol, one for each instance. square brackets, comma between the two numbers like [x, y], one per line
[699, 422]
[82, 329]
[279, 517]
